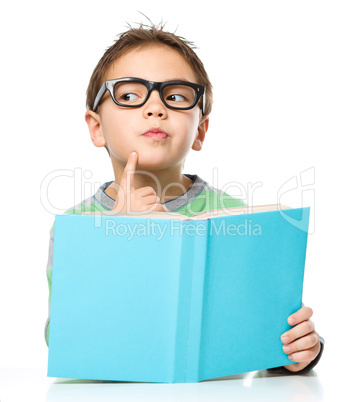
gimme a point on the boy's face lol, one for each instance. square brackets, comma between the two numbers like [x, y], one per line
[122, 129]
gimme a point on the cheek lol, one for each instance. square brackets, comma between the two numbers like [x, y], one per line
[195, 119]
[189, 123]
[116, 127]
[193, 125]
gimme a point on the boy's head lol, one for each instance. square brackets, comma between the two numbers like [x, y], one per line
[136, 38]
[137, 54]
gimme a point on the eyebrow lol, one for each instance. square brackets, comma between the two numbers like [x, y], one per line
[170, 79]
[179, 79]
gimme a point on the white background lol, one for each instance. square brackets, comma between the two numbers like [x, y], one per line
[282, 73]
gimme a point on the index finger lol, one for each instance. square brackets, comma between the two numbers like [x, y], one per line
[127, 181]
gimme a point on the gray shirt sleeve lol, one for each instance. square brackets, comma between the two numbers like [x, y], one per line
[306, 370]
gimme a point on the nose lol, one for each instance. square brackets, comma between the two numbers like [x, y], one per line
[154, 106]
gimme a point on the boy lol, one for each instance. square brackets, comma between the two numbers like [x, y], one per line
[148, 101]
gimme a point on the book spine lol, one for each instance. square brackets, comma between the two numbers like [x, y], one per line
[198, 264]
[190, 301]
[183, 306]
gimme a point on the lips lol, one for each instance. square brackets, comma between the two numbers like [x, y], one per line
[155, 133]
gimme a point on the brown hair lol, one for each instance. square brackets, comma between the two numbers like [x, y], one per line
[138, 37]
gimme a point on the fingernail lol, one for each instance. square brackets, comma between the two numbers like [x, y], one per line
[291, 321]
[133, 154]
[290, 357]
[287, 349]
[285, 339]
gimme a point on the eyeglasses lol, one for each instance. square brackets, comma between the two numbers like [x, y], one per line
[134, 92]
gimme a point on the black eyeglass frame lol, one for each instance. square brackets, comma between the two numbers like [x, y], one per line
[150, 85]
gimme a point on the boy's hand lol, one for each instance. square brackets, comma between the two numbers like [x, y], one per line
[301, 343]
[130, 199]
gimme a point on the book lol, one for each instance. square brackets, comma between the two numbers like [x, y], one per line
[162, 297]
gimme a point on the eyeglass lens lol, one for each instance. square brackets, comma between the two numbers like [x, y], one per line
[134, 94]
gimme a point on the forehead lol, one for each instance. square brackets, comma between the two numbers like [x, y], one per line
[153, 63]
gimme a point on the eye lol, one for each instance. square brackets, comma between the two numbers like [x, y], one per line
[176, 98]
[130, 93]
[129, 97]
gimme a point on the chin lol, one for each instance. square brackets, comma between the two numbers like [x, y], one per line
[152, 158]
[153, 165]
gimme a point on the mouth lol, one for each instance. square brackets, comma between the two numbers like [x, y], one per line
[155, 133]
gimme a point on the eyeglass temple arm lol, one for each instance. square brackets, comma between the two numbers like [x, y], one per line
[99, 96]
[203, 110]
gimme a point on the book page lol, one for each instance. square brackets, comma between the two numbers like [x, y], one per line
[239, 210]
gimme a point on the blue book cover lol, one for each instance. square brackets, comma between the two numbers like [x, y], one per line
[174, 300]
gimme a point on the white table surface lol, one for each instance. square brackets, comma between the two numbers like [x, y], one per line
[33, 385]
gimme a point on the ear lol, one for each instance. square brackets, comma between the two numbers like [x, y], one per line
[93, 121]
[202, 129]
